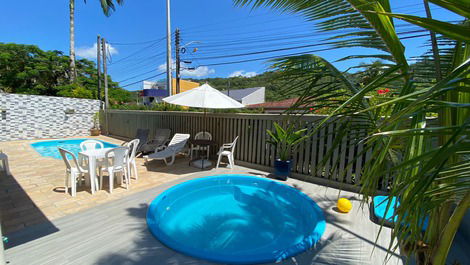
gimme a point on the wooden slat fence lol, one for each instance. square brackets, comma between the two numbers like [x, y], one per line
[252, 148]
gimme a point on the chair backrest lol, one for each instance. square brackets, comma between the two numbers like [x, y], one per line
[161, 136]
[90, 145]
[142, 135]
[203, 136]
[116, 157]
[178, 141]
[132, 145]
[64, 153]
[233, 144]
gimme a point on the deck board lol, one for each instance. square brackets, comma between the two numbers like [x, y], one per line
[116, 233]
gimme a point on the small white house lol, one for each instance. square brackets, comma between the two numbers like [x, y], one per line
[247, 96]
[153, 92]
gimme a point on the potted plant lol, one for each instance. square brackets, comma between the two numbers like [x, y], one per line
[285, 141]
[95, 130]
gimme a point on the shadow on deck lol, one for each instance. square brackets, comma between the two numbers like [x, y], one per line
[17, 210]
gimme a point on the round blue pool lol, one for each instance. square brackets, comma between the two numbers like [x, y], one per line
[236, 219]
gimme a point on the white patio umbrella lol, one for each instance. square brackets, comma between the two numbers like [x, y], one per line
[205, 97]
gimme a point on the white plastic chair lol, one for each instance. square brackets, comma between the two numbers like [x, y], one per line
[5, 167]
[115, 162]
[73, 171]
[200, 136]
[132, 145]
[91, 144]
[175, 146]
[227, 150]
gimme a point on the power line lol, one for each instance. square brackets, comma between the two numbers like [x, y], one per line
[136, 82]
[269, 51]
[124, 80]
[285, 55]
[272, 37]
[138, 51]
[281, 49]
[136, 43]
[224, 26]
[130, 65]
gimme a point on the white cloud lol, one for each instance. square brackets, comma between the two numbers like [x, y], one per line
[90, 52]
[200, 71]
[242, 73]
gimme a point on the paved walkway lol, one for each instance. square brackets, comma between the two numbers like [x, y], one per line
[116, 233]
[35, 192]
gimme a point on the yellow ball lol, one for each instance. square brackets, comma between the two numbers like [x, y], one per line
[344, 205]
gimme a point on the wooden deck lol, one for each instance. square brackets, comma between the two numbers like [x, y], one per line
[116, 233]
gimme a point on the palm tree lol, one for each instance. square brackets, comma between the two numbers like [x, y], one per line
[107, 6]
[425, 166]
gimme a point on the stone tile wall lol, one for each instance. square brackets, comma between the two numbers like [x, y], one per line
[24, 117]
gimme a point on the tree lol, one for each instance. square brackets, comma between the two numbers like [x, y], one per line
[108, 6]
[27, 69]
[428, 164]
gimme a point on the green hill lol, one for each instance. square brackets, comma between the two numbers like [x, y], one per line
[274, 87]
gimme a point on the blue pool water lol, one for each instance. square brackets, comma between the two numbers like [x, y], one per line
[49, 148]
[236, 219]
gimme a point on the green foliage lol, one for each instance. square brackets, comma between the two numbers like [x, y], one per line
[270, 80]
[423, 164]
[154, 107]
[96, 120]
[286, 140]
[26, 69]
[108, 6]
[74, 90]
[170, 107]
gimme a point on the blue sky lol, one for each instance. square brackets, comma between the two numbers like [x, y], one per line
[135, 31]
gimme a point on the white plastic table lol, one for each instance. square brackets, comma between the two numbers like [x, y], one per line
[93, 155]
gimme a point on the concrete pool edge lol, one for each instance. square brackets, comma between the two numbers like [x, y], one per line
[276, 256]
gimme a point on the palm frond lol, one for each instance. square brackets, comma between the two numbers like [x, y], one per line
[371, 30]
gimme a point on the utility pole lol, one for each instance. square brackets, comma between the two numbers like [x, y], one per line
[105, 73]
[178, 60]
[105, 76]
[168, 49]
[98, 67]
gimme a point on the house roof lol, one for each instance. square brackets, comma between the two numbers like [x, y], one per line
[283, 104]
[239, 94]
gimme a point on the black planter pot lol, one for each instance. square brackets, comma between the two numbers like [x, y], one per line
[282, 168]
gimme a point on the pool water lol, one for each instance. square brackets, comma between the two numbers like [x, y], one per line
[236, 219]
[49, 148]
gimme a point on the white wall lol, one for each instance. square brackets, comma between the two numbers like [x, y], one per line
[34, 117]
[255, 98]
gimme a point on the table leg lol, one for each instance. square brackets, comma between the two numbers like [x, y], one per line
[92, 173]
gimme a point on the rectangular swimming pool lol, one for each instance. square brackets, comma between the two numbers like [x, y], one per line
[49, 148]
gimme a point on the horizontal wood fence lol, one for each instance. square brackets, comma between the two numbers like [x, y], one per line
[252, 148]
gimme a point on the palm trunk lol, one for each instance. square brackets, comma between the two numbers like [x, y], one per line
[73, 70]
